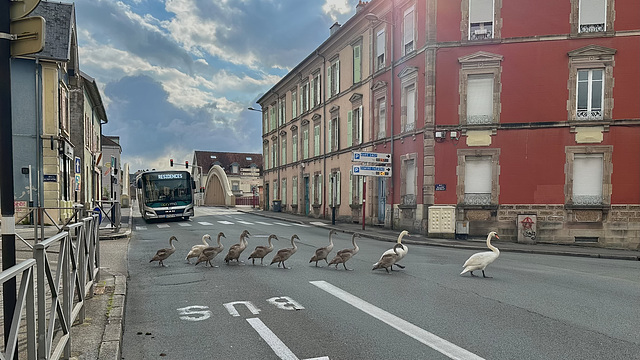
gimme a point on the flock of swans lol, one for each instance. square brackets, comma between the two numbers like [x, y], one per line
[204, 253]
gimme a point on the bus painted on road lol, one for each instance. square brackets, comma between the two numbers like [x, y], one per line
[165, 194]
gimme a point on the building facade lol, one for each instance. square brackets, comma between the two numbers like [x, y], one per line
[359, 91]
[112, 175]
[537, 124]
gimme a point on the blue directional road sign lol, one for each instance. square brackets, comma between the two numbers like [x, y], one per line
[365, 170]
[371, 157]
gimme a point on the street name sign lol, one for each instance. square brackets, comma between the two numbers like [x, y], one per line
[371, 157]
[365, 170]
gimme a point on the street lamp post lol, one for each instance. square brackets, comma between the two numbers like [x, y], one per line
[373, 17]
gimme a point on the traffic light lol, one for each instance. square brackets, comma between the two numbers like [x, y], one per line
[171, 162]
[186, 164]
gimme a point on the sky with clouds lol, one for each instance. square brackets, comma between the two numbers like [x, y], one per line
[178, 75]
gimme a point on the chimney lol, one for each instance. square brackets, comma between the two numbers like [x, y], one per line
[360, 6]
[335, 27]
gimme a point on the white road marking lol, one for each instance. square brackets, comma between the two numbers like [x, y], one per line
[184, 224]
[263, 223]
[163, 226]
[141, 228]
[285, 303]
[232, 309]
[301, 225]
[244, 222]
[198, 313]
[278, 347]
[205, 223]
[225, 222]
[320, 223]
[433, 341]
[283, 224]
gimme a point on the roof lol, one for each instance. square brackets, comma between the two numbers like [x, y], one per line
[59, 22]
[94, 93]
[110, 141]
[207, 159]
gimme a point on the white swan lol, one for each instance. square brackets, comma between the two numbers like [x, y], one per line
[321, 253]
[284, 254]
[387, 260]
[163, 254]
[402, 250]
[479, 261]
[196, 250]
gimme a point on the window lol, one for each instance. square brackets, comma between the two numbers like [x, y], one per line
[317, 189]
[333, 78]
[478, 171]
[334, 133]
[272, 117]
[381, 110]
[281, 112]
[409, 179]
[235, 169]
[334, 188]
[235, 186]
[591, 83]
[274, 155]
[294, 190]
[316, 140]
[304, 98]
[275, 190]
[408, 31]
[588, 175]
[409, 107]
[283, 158]
[284, 191]
[380, 50]
[480, 88]
[592, 16]
[357, 63]
[315, 96]
[480, 99]
[265, 122]
[480, 19]
[354, 126]
[305, 143]
[355, 189]
[477, 189]
[294, 103]
[590, 94]
[294, 147]
[265, 151]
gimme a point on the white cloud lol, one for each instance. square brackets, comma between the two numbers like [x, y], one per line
[334, 8]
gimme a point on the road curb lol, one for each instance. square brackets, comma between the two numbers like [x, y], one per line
[111, 345]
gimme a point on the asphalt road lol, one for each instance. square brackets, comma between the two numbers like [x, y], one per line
[534, 307]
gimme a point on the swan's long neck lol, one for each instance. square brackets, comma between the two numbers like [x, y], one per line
[219, 243]
[331, 239]
[293, 243]
[402, 234]
[171, 243]
[493, 248]
[204, 241]
[355, 246]
[269, 241]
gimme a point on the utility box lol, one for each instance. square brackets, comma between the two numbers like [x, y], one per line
[462, 230]
[442, 219]
[527, 229]
[277, 205]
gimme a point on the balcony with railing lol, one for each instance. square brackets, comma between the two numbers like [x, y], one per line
[481, 31]
[592, 28]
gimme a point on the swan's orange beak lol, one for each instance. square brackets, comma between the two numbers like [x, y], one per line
[497, 237]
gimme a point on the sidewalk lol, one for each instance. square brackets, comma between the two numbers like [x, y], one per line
[384, 234]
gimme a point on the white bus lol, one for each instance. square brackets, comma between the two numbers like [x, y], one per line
[165, 194]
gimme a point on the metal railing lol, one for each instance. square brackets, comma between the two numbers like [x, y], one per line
[60, 293]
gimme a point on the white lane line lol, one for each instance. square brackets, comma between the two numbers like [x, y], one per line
[163, 225]
[205, 223]
[283, 224]
[439, 344]
[278, 347]
[141, 228]
[263, 223]
[244, 222]
[225, 222]
[301, 225]
[184, 224]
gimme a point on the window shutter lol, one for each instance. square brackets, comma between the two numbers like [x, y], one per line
[477, 177]
[329, 82]
[481, 11]
[338, 189]
[360, 125]
[380, 44]
[337, 76]
[356, 64]
[480, 99]
[330, 136]
[350, 128]
[408, 27]
[593, 12]
[587, 177]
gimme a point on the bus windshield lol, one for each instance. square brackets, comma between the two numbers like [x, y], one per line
[166, 189]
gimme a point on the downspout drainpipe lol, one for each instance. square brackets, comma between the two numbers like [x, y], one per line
[393, 30]
[324, 133]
